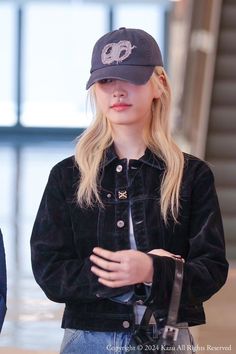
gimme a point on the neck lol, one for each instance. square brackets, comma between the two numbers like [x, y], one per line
[128, 143]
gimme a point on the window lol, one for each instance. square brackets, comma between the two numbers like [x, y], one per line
[7, 64]
[58, 44]
[149, 17]
[36, 163]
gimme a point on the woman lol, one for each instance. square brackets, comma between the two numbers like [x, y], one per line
[3, 282]
[113, 216]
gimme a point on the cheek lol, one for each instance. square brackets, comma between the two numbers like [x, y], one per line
[102, 103]
[144, 103]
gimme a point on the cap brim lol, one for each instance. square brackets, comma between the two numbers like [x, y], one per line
[137, 75]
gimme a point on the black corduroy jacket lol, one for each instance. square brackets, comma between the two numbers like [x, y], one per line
[65, 234]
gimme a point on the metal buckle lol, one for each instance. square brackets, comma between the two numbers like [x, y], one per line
[170, 332]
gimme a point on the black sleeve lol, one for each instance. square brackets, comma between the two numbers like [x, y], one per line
[205, 268]
[57, 267]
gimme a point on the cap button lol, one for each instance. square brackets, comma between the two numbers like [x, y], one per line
[121, 28]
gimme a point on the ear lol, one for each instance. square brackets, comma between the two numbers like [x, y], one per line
[162, 79]
[158, 90]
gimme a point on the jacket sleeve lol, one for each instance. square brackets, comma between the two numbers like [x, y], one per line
[56, 265]
[205, 268]
[3, 282]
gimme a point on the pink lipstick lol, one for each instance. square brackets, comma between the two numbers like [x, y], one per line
[121, 106]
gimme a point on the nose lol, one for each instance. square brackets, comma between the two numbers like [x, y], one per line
[118, 90]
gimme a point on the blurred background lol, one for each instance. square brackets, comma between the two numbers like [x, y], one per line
[45, 50]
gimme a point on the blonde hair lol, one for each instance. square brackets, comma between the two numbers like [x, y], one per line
[97, 138]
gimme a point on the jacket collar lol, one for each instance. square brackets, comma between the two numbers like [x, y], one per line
[149, 158]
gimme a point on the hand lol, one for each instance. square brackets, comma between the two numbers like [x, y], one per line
[121, 268]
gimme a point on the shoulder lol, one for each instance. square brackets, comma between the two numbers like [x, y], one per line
[196, 165]
[197, 173]
[68, 165]
[65, 172]
[68, 162]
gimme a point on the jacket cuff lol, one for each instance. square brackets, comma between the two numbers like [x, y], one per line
[162, 282]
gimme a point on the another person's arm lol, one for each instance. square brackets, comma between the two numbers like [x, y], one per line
[3, 282]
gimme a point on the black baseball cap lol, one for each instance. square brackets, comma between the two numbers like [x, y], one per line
[126, 54]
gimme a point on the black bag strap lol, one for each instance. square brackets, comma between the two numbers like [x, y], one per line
[176, 293]
[174, 301]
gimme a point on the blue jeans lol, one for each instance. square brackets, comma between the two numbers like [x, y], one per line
[92, 342]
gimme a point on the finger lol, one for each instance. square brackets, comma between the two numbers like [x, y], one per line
[160, 252]
[179, 257]
[106, 275]
[104, 264]
[112, 256]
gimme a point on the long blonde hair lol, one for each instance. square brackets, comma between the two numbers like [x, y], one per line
[97, 138]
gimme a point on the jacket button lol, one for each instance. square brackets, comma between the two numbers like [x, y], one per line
[120, 224]
[126, 324]
[97, 295]
[108, 195]
[119, 168]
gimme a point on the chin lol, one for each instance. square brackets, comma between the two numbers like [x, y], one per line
[122, 120]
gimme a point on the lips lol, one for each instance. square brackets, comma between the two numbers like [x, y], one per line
[120, 106]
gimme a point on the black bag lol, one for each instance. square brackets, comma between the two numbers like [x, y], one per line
[172, 337]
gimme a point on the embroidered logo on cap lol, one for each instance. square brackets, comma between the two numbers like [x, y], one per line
[116, 52]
